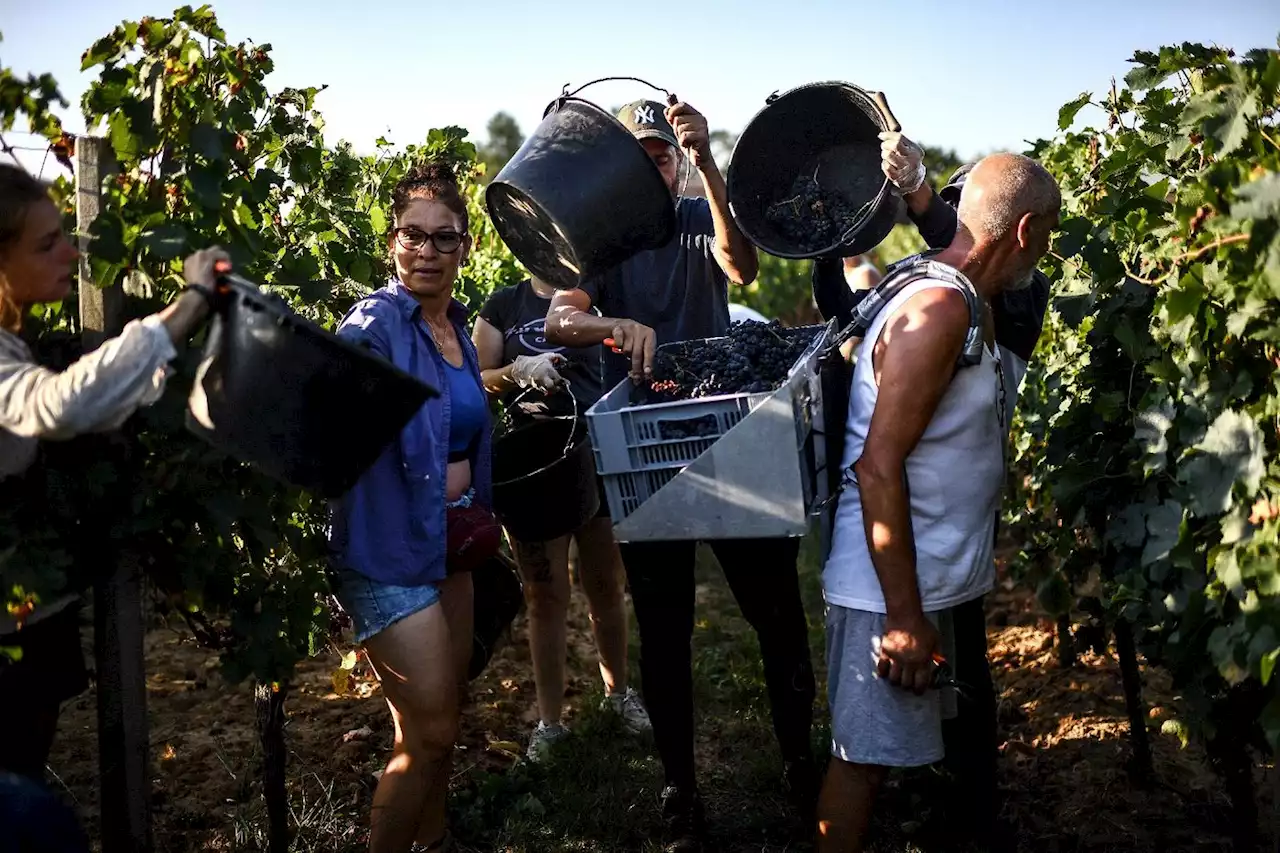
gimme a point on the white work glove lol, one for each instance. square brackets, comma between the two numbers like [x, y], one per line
[902, 162]
[537, 371]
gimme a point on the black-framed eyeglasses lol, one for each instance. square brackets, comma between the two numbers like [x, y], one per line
[413, 239]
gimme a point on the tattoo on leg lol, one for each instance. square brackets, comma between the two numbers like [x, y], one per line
[534, 561]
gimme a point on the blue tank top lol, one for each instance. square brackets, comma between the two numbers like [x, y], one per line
[467, 409]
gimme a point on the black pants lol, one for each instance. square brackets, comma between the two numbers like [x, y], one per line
[32, 689]
[970, 738]
[762, 575]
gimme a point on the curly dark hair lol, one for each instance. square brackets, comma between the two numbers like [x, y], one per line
[433, 180]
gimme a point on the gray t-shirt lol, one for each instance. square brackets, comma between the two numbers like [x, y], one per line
[678, 290]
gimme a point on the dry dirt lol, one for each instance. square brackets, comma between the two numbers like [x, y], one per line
[1062, 759]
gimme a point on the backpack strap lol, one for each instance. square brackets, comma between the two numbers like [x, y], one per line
[908, 272]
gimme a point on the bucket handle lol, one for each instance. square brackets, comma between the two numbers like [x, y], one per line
[672, 100]
[568, 445]
[882, 103]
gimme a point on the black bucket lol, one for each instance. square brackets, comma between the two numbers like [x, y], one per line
[302, 405]
[540, 490]
[580, 196]
[827, 131]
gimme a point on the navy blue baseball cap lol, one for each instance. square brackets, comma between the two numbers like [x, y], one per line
[951, 192]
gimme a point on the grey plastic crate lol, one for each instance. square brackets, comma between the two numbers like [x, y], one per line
[753, 476]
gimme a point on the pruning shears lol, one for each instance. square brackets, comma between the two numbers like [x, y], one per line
[944, 677]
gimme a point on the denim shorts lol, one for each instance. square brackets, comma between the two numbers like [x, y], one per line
[373, 606]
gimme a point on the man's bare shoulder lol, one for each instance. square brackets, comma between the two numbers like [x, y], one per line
[942, 308]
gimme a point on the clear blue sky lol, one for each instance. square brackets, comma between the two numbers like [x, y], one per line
[974, 76]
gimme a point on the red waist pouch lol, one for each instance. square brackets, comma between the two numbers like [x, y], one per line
[474, 536]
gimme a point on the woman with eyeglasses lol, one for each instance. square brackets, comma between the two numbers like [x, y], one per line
[402, 537]
[534, 379]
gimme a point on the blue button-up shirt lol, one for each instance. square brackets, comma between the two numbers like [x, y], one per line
[391, 526]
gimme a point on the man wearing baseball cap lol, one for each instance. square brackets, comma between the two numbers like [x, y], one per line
[1018, 316]
[675, 293]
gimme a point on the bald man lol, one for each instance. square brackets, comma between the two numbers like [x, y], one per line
[912, 536]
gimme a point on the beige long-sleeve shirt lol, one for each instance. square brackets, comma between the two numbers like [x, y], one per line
[95, 394]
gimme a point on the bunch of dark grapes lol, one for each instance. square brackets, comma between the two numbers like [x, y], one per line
[754, 358]
[811, 218]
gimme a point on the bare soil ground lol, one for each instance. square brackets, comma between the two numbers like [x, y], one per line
[1063, 753]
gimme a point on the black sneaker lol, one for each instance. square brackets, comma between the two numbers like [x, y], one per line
[686, 820]
[803, 784]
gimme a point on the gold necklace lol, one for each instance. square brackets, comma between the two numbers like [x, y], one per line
[437, 335]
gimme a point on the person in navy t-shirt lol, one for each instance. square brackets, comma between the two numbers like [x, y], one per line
[674, 293]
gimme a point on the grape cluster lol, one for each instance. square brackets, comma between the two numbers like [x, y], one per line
[811, 218]
[703, 427]
[754, 358]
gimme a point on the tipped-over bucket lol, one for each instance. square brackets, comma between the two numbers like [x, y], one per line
[302, 405]
[580, 196]
[805, 178]
[544, 479]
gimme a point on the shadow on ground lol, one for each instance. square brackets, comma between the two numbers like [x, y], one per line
[1062, 766]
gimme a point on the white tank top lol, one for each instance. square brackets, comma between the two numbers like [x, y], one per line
[954, 479]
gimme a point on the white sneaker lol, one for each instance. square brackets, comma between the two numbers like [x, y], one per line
[543, 740]
[635, 719]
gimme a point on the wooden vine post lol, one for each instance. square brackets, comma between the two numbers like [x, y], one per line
[123, 759]
[268, 703]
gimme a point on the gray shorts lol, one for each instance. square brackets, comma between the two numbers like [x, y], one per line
[873, 722]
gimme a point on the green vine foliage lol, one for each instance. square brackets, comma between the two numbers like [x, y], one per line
[206, 154]
[1147, 434]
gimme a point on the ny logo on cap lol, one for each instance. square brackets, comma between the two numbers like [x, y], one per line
[644, 114]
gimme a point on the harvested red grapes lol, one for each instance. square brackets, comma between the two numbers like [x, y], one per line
[753, 358]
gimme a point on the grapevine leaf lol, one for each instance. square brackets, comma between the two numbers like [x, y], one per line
[1164, 524]
[244, 216]
[1223, 114]
[1267, 666]
[1150, 431]
[1240, 106]
[107, 237]
[378, 219]
[206, 187]
[1148, 74]
[1236, 527]
[1247, 311]
[315, 290]
[1258, 199]
[123, 141]
[103, 50]
[1129, 527]
[1067, 115]
[360, 270]
[1222, 650]
[104, 272]
[207, 142]
[1073, 309]
[1183, 300]
[1073, 234]
[1178, 729]
[1231, 451]
[165, 242]
[1054, 595]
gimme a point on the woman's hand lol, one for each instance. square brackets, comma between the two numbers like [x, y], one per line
[538, 371]
[200, 273]
[186, 313]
